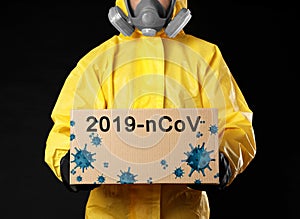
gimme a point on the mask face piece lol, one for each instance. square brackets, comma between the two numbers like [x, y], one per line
[145, 6]
[149, 17]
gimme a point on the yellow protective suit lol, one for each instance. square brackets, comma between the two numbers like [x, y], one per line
[154, 72]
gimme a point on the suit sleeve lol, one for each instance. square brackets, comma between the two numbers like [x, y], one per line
[236, 134]
[81, 90]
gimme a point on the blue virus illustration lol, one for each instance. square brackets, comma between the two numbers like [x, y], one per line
[127, 177]
[83, 159]
[72, 123]
[101, 179]
[105, 164]
[199, 134]
[197, 181]
[149, 181]
[216, 175]
[79, 178]
[213, 129]
[198, 159]
[73, 172]
[72, 137]
[178, 172]
[164, 164]
[96, 140]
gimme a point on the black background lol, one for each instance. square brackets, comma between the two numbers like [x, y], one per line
[42, 42]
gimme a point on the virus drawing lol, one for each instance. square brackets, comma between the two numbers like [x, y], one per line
[83, 159]
[79, 178]
[73, 172]
[198, 159]
[199, 134]
[164, 164]
[149, 181]
[72, 137]
[216, 175]
[197, 181]
[96, 140]
[101, 179]
[105, 164]
[213, 129]
[178, 172]
[127, 177]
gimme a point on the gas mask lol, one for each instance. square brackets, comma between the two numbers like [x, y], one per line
[149, 17]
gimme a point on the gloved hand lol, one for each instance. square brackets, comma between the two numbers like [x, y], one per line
[224, 176]
[65, 175]
[224, 171]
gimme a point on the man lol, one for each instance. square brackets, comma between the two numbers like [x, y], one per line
[153, 63]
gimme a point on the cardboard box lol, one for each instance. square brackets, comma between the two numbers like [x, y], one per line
[132, 146]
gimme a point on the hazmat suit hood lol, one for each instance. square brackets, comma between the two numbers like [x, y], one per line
[179, 4]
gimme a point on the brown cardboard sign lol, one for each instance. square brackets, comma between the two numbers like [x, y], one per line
[131, 146]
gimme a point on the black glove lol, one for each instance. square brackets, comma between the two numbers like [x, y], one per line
[224, 171]
[65, 175]
[224, 176]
